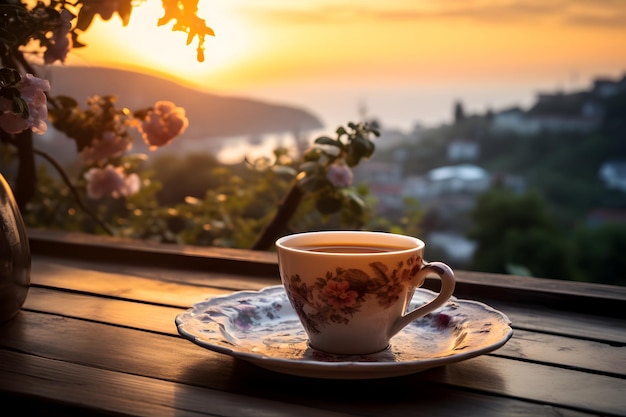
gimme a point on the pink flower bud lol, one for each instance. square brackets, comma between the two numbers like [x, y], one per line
[109, 145]
[340, 175]
[111, 180]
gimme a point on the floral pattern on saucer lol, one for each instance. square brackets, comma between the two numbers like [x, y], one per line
[261, 327]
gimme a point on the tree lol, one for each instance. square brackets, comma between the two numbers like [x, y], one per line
[516, 233]
[600, 253]
[459, 112]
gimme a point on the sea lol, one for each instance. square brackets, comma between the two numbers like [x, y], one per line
[401, 109]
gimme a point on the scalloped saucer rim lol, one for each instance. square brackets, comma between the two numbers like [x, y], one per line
[261, 327]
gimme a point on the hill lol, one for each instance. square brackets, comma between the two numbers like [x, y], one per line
[210, 115]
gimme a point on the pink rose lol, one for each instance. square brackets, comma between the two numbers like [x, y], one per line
[162, 124]
[111, 180]
[107, 146]
[32, 90]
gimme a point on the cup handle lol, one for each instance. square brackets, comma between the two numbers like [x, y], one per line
[448, 282]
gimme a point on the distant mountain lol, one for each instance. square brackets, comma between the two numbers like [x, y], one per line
[210, 115]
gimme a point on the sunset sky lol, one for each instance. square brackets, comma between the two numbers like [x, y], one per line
[403, 60]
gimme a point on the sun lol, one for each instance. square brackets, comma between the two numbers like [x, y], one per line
[143, 45]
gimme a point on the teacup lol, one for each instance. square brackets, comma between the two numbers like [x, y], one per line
[351, 289]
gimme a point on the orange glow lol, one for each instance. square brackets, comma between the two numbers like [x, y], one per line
[142, 45]
[256, 45]
[270, 46]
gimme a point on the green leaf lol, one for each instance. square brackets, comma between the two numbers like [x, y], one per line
[365, 146]
[124, 10]
[312, 154]
[325, 140]
[9, 76]
[314, 183]
[353, 208]
[360, 148]
[85, 17]
[19, 106]
[354, 198]
[66, 102]
[284, 170]
[10, 93]
[352, 160]
[521, 270]
[328, 204]
[75, 42]
[309, 167]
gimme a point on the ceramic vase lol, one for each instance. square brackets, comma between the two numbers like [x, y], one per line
[15, 260]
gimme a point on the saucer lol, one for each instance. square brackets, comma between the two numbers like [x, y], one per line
[262, 328]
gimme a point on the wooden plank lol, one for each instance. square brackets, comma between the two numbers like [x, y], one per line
[172, 358]
[606, 299]
[567, 352]
[50, 241]
[561, 359]
[524, 345]
[151, 318]
[564, 323]
[542, 286]
[184, 276]
[603, 300]
[168, 292]
[69, 388]
[121, 286]
[155, 285]
[411, 395]
[86, 247]
[74, 387]
[584, 392]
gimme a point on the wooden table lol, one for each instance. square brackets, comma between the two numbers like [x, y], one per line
[96, 336]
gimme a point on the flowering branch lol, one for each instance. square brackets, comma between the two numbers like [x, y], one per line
[55, 26]
[101, 134]
[324, 175]
[101, 131]
[73, 190]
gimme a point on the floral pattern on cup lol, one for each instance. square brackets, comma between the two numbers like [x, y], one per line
[336, 297]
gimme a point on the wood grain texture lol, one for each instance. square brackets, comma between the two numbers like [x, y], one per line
[96, 336]
[528, 346]
[76, 389]
[92, 390]
[168, 291]
[141, 352]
